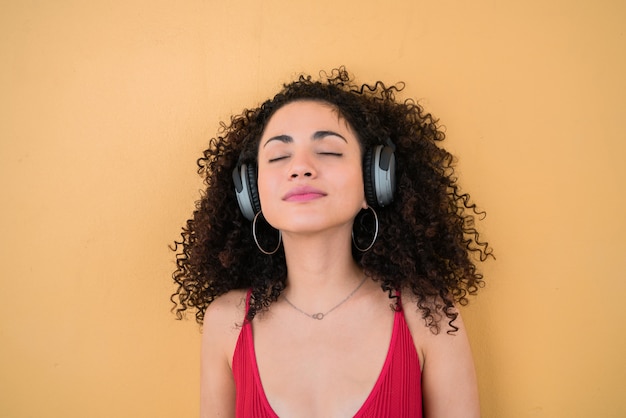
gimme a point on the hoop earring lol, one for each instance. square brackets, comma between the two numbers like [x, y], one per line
[373, 239]
[280, 237]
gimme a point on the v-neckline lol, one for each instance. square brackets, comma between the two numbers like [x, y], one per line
[375, 389]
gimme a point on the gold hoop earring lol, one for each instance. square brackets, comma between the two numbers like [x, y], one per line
[375, 234]
[280, 237]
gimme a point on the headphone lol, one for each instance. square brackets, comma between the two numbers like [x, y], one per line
[379, 179]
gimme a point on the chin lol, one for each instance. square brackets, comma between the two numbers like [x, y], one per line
[311, 219]
[312, 225]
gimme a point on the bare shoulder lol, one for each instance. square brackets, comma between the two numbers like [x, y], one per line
[448, 376]
[221, 327]
[223, 319]
[229, 306]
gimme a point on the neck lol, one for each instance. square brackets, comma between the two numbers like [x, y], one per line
[319, 265]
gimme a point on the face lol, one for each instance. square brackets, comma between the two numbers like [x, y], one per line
[309, 169]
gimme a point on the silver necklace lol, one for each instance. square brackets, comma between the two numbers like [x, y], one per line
[319, 316]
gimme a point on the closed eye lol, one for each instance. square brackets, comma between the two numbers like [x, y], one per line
[272, 160]
[334, 154]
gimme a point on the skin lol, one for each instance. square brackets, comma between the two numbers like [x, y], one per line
[311, 188]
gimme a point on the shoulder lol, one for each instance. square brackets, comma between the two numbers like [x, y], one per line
[222, 323]
[227, 306]
[227, 310]
[447, 364]
[220, 330]
[430, 344]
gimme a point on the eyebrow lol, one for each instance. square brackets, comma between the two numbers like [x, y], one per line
[316, 137]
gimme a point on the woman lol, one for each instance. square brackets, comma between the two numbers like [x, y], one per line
[326, 260]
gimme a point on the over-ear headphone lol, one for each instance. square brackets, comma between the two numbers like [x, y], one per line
[379, 174]
[379, 179]
[244, 177]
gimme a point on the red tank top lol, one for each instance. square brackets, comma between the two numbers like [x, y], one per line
[397, 392]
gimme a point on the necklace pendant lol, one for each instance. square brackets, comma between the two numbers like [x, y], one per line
[319, 316]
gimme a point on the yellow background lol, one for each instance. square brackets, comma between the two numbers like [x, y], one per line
[105, 106]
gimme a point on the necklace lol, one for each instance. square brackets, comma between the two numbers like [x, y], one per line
[319, 316]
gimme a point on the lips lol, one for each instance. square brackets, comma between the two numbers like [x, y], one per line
[303, 194]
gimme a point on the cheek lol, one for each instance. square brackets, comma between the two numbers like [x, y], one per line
[354, 188]
[265, 187]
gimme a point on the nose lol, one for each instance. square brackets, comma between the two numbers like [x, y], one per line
[303, 174]
[302, 166]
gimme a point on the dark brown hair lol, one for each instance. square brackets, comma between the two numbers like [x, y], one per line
[427, 243]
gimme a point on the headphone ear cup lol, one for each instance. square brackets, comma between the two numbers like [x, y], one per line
[385, 175]
[368, 179]
[244, 178]
[379, 175]
[255, 201]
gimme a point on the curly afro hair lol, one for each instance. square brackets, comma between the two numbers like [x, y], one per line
[427, 244]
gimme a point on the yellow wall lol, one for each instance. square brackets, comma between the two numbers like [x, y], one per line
[104, 107]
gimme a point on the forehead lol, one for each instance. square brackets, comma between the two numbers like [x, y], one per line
[306, 114]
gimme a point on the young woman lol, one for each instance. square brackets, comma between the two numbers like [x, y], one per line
[326, 259]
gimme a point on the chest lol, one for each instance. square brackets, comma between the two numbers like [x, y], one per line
[327, 369]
